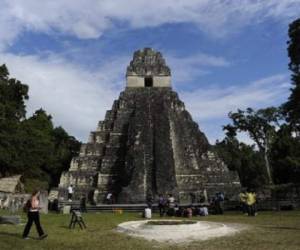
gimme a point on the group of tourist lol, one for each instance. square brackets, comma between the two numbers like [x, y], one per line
[168, 206]
[248, 202]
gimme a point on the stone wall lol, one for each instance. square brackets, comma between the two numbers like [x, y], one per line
[13, 202]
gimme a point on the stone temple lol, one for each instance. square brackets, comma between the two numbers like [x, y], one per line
[147, 144]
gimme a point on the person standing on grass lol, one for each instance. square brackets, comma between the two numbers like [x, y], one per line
[219, 200]
[70, 192]
[109, 198]
[83, 204]
[251, 200]
[243, 201]
[34, 216]
[171, 205]
[161, 205]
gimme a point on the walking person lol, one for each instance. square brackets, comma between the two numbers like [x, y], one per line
[34, 216]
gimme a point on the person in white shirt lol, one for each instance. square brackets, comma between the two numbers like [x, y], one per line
[70, 192]
[109, 197]
[171, 205]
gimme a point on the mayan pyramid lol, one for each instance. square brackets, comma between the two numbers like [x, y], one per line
[147, 144]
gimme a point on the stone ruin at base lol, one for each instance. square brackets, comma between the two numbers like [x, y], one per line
[147, 145]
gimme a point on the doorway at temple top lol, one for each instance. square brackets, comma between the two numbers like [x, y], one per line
[148, 82]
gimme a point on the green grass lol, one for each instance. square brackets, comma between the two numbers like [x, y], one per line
[269, 230]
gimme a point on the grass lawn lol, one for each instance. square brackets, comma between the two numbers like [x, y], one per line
[269, 230]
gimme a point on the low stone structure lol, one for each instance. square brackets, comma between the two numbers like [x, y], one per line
[11, 184]
[148, 144]
[12, 195]
[10, 219]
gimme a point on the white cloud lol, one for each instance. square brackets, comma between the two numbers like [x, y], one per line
[215, 102]
[75, 97]
[185, 69]
[210, 106]
[78, 97]
[90, 18]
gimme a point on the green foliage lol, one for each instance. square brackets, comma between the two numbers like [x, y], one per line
[65, 148]
[32, 184]
[12, 109]
[261, 126]
[244, 159]
[275, 141]
[285, 157]
[292, 106]
[31, 147]
[13, 94]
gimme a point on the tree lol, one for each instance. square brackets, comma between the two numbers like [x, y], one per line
[46, 151]
[35, 147]
[32, 147]
[292, 106]
[242, 158]
[285, 157]
[261, 126]
[13, 94]
[65, 148]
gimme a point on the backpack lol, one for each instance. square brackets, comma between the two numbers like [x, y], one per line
[27, 206]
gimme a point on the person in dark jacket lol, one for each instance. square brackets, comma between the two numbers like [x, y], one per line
[162, 205]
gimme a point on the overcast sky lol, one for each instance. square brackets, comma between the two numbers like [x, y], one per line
[73, 54]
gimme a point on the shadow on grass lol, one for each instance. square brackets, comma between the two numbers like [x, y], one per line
[282, 228]
[17, 235]
[11, 234]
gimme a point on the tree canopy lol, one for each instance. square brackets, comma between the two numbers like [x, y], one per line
[261, 127]
[292, 106]
[275, 131]
[30, 146]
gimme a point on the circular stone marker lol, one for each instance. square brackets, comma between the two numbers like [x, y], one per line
[176, 231]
